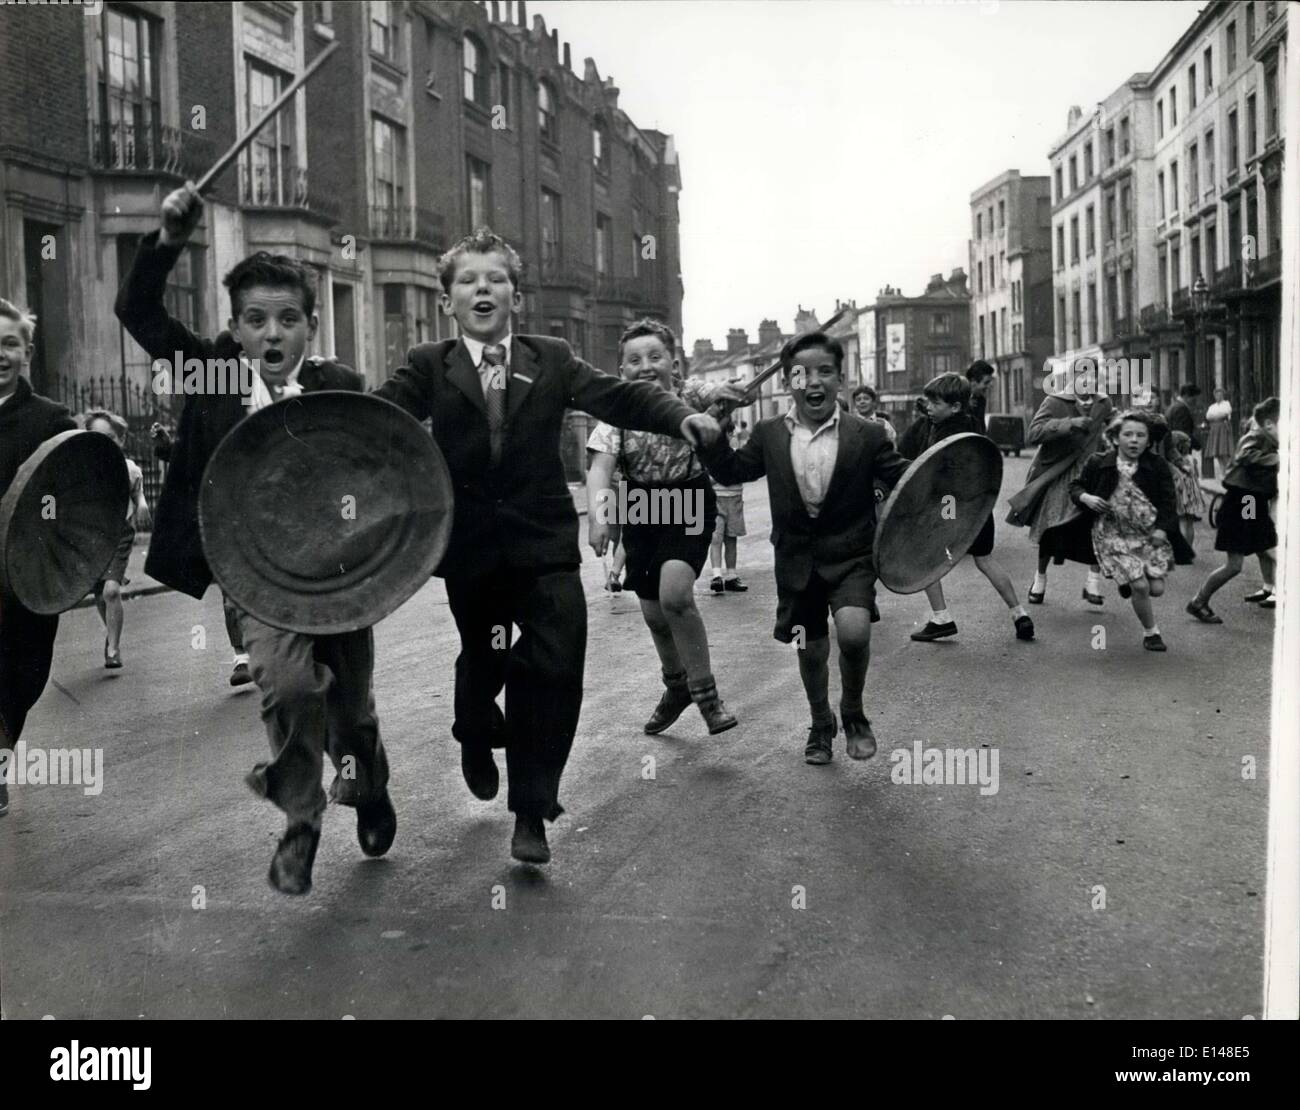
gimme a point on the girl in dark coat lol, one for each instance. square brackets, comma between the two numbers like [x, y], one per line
[1130, 492]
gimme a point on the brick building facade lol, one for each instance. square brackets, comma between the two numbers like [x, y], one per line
[430, 119]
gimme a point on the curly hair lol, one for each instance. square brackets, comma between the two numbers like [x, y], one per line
[1155, 425]
[483, 240]
[646, 326]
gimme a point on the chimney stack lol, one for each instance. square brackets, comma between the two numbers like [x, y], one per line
[496, 11]
[568, 58]
[522, 13]
[769, 331]
[737, 341]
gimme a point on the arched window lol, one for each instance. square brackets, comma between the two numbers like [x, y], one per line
[475, 69]
[547, 121]
[600, 146]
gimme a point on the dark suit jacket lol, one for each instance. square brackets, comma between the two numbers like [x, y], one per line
[175, 552]
[1180, 418]
[520, 512]
[845, 528]
[26, 421]
[1100, 476]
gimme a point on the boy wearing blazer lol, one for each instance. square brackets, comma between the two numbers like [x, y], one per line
[317, 694]
[496, 402]
[26, 421]
[826, 470]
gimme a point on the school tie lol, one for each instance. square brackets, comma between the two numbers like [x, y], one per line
[494, 396]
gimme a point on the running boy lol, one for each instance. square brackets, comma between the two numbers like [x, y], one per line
[316, 690]
[664, 557]
[108, 590]
[947, 402]
[1245, 524]
[826, 469]
[497, 402]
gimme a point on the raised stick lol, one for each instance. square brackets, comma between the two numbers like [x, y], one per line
[280, 101]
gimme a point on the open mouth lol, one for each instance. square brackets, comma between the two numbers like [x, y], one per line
[273, 358]
[484, 308]
[814, 397]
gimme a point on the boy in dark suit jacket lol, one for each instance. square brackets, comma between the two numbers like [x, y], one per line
[497, 402]
[26, 421]
[316, 690]
[826, 469]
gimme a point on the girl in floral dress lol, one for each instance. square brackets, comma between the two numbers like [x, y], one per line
[1187, 487]
[1135, 534]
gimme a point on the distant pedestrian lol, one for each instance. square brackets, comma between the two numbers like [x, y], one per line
[1187, 485]
[980, 374]
[1180, 418]
[728, 529]
[1245, 521]
[108, 590]
[1128, 492]
[1218, 433]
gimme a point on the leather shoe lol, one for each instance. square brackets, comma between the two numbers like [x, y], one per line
[376, 825]
[1024, 628]
[1258, 596]
[933, 631]
[818, 749]
[1092, 599]
[240, 675]
[860, 741]
[480, 771]
[1154, 642]
[1036, 598]
[1203, 612]
[290, 871]
[528, 845]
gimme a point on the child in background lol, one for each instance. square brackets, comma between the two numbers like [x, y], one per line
[664, 557]
[730, 526]
[1130, 489]
[108, 590]
[1245, 523]
[1187, 487]
[947, 403]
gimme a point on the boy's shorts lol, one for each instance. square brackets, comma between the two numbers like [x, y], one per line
[116, 570]
[731, 517]
[853, 584]
[983, 543]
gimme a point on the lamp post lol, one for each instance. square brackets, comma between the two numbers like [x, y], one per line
[1200, 303]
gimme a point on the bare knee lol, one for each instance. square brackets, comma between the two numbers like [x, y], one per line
[1140, 588]
[1157, 587]
[676, 603]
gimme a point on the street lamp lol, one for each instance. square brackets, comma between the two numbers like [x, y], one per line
[1200, 303]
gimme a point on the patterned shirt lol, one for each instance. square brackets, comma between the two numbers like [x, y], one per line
[652, 458]
[812, 454]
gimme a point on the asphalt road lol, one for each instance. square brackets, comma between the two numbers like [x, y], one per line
[735, 882]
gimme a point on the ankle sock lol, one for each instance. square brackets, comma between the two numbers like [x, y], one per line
[241, 657]
[1018, 611]
[1040, 582]
[940, 616]
[1094, 583]
[1154, 630]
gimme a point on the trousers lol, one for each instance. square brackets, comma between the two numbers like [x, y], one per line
[541, 672]
[26, 652]
[317, 697]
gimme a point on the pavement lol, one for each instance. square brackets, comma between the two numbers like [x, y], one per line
[1117, 872]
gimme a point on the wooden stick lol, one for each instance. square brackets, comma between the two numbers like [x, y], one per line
[280, 101]
[720, 408]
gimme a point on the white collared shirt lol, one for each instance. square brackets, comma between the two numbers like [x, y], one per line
[476, 349]
[262, 397]
[812, 454]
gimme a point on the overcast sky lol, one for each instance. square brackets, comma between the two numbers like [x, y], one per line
[829, 147]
